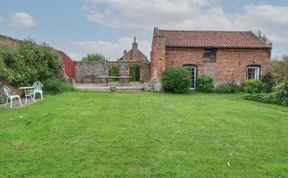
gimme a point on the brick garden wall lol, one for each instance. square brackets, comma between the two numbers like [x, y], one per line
[68, 64]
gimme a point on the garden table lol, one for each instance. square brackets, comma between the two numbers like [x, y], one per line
[28, 91]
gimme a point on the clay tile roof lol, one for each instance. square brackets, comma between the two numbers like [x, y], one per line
[211, 39]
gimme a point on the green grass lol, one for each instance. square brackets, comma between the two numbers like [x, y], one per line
[114, 134]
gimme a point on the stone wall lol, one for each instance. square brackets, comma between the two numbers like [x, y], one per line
[85, 71]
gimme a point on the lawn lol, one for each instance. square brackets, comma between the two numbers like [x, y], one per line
[114, 134]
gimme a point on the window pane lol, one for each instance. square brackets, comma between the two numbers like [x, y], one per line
[253, 72]
[210, 55]
[192, 70]
[207, 55]
[257, 73]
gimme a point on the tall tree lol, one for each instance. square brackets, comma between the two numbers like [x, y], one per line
[263, 38]
[94, 57]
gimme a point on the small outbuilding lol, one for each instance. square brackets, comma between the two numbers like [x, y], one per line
[228, 56]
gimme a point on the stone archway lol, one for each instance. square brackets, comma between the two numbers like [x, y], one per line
[124, 69]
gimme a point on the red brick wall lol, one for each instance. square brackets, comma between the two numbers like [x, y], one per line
[68, 64]
[230, 64]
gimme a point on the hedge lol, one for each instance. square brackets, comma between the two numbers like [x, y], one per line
[177, 80]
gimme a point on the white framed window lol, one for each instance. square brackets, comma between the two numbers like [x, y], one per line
[193, 70]
[253, 72]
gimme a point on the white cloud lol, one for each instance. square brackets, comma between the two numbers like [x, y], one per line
[22, 20]
[273, 20]
[140, 16]
[112, 50]
[187, 14]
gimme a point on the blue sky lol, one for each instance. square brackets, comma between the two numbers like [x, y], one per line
[79, 27]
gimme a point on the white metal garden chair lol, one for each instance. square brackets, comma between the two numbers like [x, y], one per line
[10, 97]
[37, 89]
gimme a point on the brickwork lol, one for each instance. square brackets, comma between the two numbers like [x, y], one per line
[134, 58]
[67, 63]
[158, 55]
[134, 55]
[230, 65]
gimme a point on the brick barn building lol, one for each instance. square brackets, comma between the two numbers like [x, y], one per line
[228, 56]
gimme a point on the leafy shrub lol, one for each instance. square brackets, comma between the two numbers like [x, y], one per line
[205, 84]
[281, 89]
[254, 86]
[285, 102]
[29, 63]
[279, 70]
[267, 98]
[55, 86]
[227, 88]
[269, 81]
[278, 96]
[176, 80]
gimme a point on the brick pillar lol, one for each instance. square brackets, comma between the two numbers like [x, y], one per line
[124, 71]
[158, 56]
[141, 72]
